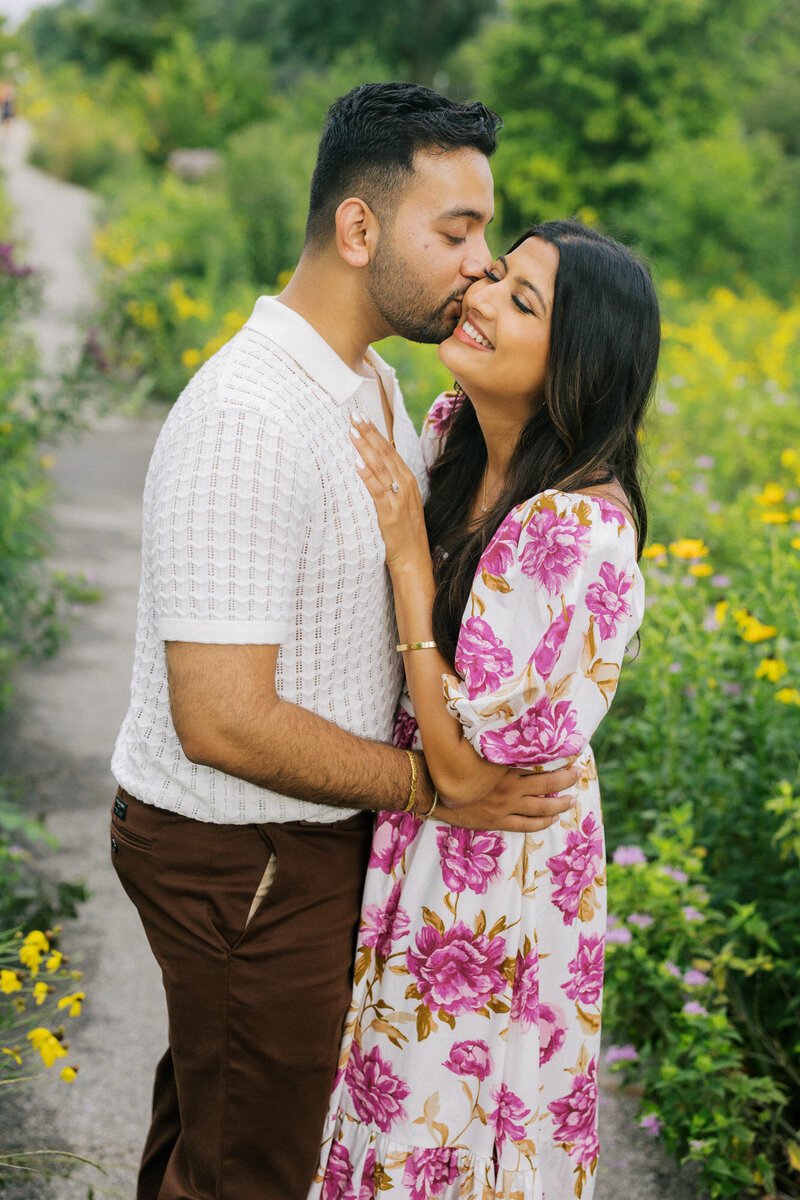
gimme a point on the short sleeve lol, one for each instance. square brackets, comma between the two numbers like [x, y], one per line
[556, 599]
[226, 506]
[436, 425]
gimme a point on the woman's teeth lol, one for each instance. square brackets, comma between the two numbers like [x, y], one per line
[472, 332]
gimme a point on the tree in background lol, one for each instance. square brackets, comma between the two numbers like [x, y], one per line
[608, 102]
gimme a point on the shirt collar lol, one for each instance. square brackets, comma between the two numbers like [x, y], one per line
[292, 333]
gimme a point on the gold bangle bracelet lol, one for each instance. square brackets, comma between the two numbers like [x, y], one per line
[401, 646]
[412, 758]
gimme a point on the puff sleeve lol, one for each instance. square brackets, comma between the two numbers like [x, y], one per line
[557, 597]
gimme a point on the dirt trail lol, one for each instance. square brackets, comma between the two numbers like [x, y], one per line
[59, 741]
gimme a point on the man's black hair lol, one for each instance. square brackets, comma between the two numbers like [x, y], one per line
[369, 141]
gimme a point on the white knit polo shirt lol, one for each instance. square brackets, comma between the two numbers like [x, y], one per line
[257, 529]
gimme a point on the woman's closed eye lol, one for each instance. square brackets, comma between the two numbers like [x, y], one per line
[491, 274]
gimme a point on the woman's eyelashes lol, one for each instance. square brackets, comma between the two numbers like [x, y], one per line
[495, 278]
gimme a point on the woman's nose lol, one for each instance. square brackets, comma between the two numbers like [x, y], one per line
[478, 297]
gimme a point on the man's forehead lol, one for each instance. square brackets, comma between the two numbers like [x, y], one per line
[453, 184]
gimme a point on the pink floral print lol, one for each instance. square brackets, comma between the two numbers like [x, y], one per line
[577, 1117]
[367, 1189]
[543, 733]
[394, 833]
[510, 1115]
[545, 656]
[441, 413]
[375, 1090]
[577, 868]
[383, 925]
[554, 550]
[458, 970]
[470, 858]
[606, 599]
[499, 554]
[427, 1172]
[469, 1060]
[585, 983]
[340, 1172]
[525, 996]
[405, 729]
[482, 660]
[552, 1031]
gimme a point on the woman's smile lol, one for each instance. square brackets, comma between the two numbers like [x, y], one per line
[469, 333]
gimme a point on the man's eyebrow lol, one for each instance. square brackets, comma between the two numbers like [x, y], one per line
[525, 283]
[471, 214]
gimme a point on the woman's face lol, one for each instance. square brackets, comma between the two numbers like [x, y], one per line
[500, 346]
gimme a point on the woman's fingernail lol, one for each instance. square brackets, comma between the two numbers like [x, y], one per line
[354, 433]
[358, 417]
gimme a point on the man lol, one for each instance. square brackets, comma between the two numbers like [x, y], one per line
[266, 677]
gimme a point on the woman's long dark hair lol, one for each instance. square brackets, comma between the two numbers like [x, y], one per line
[604, 343]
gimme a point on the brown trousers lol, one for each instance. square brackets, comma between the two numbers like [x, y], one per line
[256, 1000]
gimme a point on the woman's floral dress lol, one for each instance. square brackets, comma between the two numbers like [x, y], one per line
[468, 1068]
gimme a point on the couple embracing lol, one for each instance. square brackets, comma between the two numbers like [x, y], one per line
[358, 810]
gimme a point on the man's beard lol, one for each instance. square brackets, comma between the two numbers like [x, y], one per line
[404, 304]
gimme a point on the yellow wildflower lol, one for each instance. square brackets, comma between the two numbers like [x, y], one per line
[47, 1044]
[68, 1074]
[796, 543]
[73, 1002]
[788, 695]
[14, 1053]
[789, 458]
[37, 939]
[775, 518]
[674, 475]
[41, 991]
[700, 570]
[9, 982]
[191, 358]
[54, 961]
[655, 550]
[772, 494]
[689, 548]
[754, 631]
[721, 611]
[19, 1003]
[772, 669]
[796, 513]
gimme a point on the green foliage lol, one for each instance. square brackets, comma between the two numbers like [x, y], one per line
[721, 207]
[197, 96]
[699, 760]
[269, 166]
[35, 604]
[85, 133]
[596, 87]
[28, 896]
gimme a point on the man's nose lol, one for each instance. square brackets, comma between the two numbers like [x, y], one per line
[477, 259]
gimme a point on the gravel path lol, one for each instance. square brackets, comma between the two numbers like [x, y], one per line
[59, 738]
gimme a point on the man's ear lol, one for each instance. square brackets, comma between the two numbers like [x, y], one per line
[357, 232]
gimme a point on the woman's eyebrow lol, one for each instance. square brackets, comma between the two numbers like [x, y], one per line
[525, 283]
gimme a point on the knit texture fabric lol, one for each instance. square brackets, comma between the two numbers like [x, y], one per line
[258, 530]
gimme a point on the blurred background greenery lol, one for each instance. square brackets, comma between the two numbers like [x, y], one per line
[671, 124]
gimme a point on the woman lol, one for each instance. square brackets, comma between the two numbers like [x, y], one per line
[469, 1061]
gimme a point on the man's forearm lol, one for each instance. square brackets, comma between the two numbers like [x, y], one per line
[298, 753]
